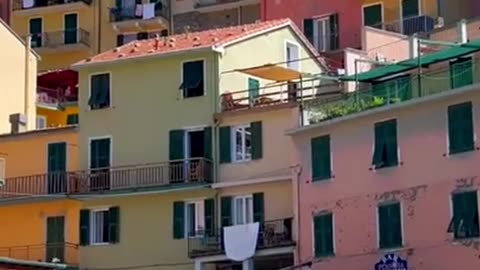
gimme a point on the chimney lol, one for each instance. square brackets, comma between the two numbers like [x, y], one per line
[462, 31]
[18, 123]
[414, 46]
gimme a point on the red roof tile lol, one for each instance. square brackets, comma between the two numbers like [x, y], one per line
[187, 41]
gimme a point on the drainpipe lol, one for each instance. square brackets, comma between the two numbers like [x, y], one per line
[170, 15]
[462, 31]
[28, 46]
[99, 26]
[297, 171]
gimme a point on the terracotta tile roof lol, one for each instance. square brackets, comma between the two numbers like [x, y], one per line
[188, 41]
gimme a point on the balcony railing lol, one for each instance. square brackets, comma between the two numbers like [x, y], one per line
[272, 234]
[54, 97]
[61, 38]
[125, 178]
[119, 14]
[23, 4]
[64, 253]
[209, 3]
[411, 25]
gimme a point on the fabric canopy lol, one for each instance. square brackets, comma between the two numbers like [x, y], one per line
[273, 73]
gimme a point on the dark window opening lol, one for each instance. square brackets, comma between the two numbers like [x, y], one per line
[193, 84]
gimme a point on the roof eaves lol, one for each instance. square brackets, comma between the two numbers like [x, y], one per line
[81, 65]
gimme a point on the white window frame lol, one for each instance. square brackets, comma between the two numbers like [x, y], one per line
[246, 205]
[199, 218]
[324, 22]
[402, 228]
[40, 119]
[295, 64]
[93, 225]
[204, 62]
[110, 105]
[372, 5]
[244, 144]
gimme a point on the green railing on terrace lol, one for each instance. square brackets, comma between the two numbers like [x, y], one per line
[436, 79]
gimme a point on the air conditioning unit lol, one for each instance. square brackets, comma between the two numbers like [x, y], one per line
[2, 182]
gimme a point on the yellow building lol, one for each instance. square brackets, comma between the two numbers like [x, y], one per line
[18, 67]
[164, 93]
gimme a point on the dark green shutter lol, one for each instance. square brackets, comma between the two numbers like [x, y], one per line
[226, 211]
[323, 235]
[258, 208]
[308, 29]
[372, 16]
[176, 144]
[72, 119]
[225, 145]
[114, 224]
[334, 31]
[465, 209]
[57, 157]
[379, 145]
[95, 85]
[209, 217]
[207, 143]
[390, 225]
[178, 220]
[142, 35]
[257, 146]
[84, 227]
[390, 132]
[461, 72]
[383, 226]
[321, 163]
[460, 128]
[118, 3]
[120, 40]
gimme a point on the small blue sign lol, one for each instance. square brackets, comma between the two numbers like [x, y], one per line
[391, 262]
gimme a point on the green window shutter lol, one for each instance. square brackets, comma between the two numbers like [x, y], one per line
[114, 224]
[323, 235]
[465, 212]
[209, 217]
[72, 119]
[100, 153]
[379, 145]
[225, 145]
[253, 89]
[118, 3]
[258, 208]
[207, 143]
[372, 16]
[321, 163]
[461, 72]
[120, 40]
[84, 227]
[95, 85]
[390, 131]
[257, 146]
[334, 31]
[390, 226]
[226, 211]
[178, 220]
[57, 157]
[176, 146]
[460, 128]
[308, 29]
[404, 88]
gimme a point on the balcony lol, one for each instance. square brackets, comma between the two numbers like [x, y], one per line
[218, 5]
[124, 179]
[411, 25]
[55, 98]
[273, 234]
[37, 7]
[62, 253]
[61, 41]
[144, 17]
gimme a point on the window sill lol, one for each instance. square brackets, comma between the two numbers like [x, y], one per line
[461, 241]
[242, 161]
[98, 244]
[460, 152]
[100, 109]
[375, 169]
[391, 249]
[323, 180]
[325, 256]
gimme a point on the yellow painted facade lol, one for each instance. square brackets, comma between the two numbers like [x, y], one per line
[392, 9]
[57, 117]
[18, 79]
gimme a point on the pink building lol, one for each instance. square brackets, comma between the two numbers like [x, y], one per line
[394, 170]
[5, 10]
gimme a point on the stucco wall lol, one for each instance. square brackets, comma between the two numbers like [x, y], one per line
[57, 118]
[393, 12]
[422, 183]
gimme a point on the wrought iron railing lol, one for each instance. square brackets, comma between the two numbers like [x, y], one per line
[119, 14]
[22, 4]
[209, 3]
[409, 26]
[272, 234]
[58, 39]
[65, 253]
[54, 97]
[101, 180]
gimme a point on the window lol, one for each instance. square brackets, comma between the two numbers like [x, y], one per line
[373, 16]
[41, 122]
[393, 90]
[253, 90]
[323, 235]
[460, 128]
[242, 137]
[292, 52]
[241, 142]
[194, 218]
[465, 222]
[390, 225]
[99, 226]
[385, 147]
[99, 91]
[242, 210]
[72, 119]
[461, 72]
[100, 150]
[321, 163]
[2, 169]
[36, 29]
[323, 32]
[193, 84]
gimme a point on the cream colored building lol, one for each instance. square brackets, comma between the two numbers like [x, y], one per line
[19, 70]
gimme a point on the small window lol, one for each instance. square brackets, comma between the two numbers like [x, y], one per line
[461, 72]
[292, 56]
[99, 226]
[323, 235]
[385, 147]
[72, 119]
[194, 218]
[193, 84]
[465, 221]
[460, 128]
[323, 32]
[321, 163]
[41, 122]
[390, 225]
[372, 16]
[242, 210]
[99, 91]
[242, 143]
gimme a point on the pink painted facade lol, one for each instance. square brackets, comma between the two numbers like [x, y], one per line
[349, 15]
[5, 10]
[423, 184]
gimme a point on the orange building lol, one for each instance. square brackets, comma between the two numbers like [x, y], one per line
[39, 223]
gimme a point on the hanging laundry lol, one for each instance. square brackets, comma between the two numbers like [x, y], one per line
[148, 11]
[240, 241]
[28, 3]
[139, 10]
